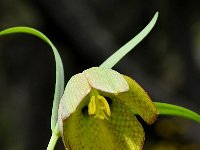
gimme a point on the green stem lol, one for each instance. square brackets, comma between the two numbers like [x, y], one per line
[54, 138]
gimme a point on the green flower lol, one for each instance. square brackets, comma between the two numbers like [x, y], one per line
[97, 111]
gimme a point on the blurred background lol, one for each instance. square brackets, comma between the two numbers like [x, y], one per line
[166, 63]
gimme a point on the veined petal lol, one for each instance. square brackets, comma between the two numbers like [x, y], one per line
[81, 84]
[76, 89]
[124, 126]
[121, 131]
[106, 80]
[86, 132]
[139, 101]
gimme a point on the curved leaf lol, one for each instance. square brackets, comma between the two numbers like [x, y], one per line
[170, 109]
[59, 87]
[119, 54]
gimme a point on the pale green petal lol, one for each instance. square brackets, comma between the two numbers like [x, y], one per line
[106, 80]
[121, 131]
[80, 85]
[139, 101]
[76, 89]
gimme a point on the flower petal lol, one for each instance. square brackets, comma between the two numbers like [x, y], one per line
[106, 80]
[121, 131]
[77, 88]
[84, 132]
[139, 101]
[124, 126]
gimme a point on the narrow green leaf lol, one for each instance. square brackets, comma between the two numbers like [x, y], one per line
[170, 109]
[119, 54]
[59, 87]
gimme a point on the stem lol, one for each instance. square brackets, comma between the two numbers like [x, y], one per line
[54, 138]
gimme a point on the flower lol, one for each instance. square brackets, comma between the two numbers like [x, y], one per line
[97, 111]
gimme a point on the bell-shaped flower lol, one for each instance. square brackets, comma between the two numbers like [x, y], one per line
[97, 111]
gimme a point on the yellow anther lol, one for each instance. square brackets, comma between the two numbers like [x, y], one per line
[99, 107]
[104, 105]
[92, 106]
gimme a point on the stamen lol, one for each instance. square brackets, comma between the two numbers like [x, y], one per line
[104, 105]
[92, 106]
[99, 107]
